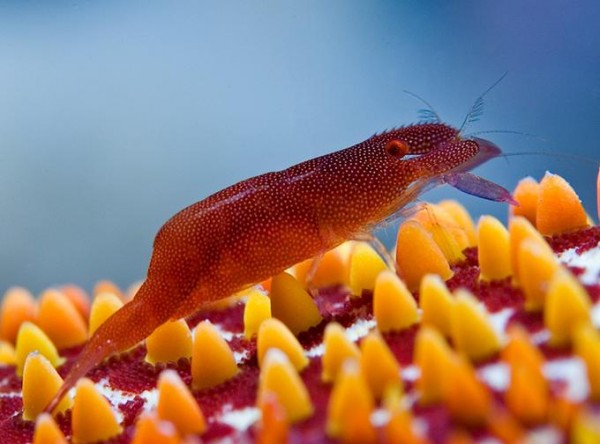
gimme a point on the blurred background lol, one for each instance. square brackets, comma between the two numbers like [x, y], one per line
[116, 114]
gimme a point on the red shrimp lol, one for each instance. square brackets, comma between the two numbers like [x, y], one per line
[259, 227]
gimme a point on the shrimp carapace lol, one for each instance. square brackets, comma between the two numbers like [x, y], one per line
[259, 227]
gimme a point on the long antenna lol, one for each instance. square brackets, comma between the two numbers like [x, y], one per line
[425, 114]
[518, 133]
[557, 155]
[477, 108]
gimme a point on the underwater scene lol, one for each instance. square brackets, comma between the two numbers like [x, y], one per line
[363, 222]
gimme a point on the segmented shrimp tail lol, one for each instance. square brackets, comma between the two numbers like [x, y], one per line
[124, 329]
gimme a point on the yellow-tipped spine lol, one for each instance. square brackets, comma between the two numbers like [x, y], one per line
[587, 347]
[47, 431]
[520, 229]
[432, 356]
[60, 320]
[18, 306]
[338, 349]
[460, 214]
[559, 209]
[567, 307]
[104, 306]
[350, 407]
[394, 307]
[436, 304]
[177, 405]
[378, 365]
[274, 334]
[527, 395]
[273, 427]
[538, 265]
[212, 360]
[467, 398]
[526, 194]
[93, 418]
[445, 231]
[150, 429]
[400, 427]
[8, 356]
[472, 332]
[257, 310]
[40, 384]
[417, 254]
[365, 266]
[169, 342]
[292, 305]
[493, 249]
[31, 338]
[279, 378]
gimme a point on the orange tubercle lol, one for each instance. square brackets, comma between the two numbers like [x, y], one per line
[436, 304]
[279, 378]
[78, 298]
[587, 347]
[447, 233]
[61, 320]
[350, 407]
[365, 266]
[47, 431]
[527, 396]
[559, 208]
[212, 360]
[568, 307]
[466, 397]
[472, 332]
[332, 269]
[520, 229]
[338, 349]
[537, 266]
[519, 350]
[176, 405]
[40, 383]
[274, 334]
[401, 428]
[93, 418]
[103, 307]
[460, 214]
[8, 355]
[417, 254]
[493, 249]
[169, 342]
[526, 194]
[505, 427]
[33, 339]
[394, 307]
[150, 429]
[299, 315]
[106, 286]
[274, 425]
[433, 357]
[256, 310]
[378, 365]
[18, 306]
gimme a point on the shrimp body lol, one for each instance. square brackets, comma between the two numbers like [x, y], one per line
[258, 227]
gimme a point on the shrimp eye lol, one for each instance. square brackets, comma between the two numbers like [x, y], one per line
[396, 148]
